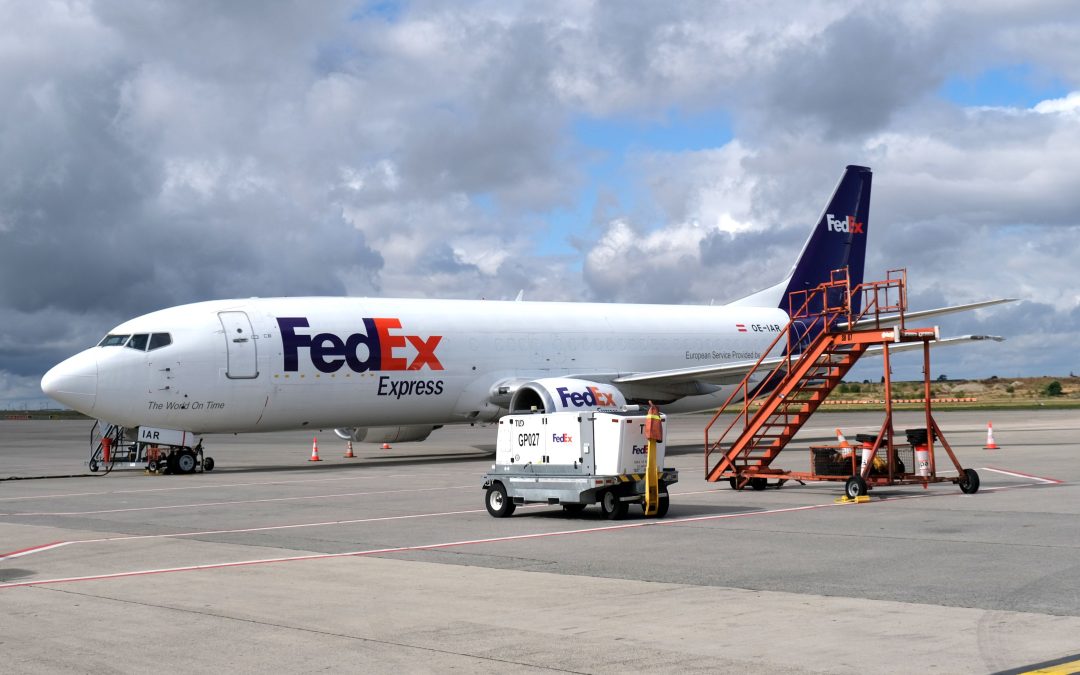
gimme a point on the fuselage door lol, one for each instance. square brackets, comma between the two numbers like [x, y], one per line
[240, 345]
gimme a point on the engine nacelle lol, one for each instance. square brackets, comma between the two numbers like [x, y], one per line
[556, 394]
[386, 434]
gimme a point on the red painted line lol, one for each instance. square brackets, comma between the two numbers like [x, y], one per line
[1021, 474]
[33, 549]
[470, 542]
[403, 549]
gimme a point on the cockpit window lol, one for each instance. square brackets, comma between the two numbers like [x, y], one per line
[158, 340]
[138, 341]
[113, 341]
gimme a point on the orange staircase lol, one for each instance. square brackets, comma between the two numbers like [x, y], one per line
[794, 376]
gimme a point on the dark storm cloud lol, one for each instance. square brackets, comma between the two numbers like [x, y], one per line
[852, 77]
[158, 153]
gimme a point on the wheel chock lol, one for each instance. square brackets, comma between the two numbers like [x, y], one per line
[861, 499]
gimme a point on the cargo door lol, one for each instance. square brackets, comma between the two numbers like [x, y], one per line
[243, 361]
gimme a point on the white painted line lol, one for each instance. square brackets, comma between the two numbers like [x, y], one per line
[233, 503]
[365, 476]
[1021, 474]
[422, 547]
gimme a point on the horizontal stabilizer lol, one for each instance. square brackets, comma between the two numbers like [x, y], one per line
[886, 320]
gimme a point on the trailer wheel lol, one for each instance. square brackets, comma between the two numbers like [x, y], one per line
[208, 464]
[612, 507]
[573, 509]
[855, 487]
[758, 484]
[152, 466]
[185, 461]
[497, 503]
[662, 507]
[969, 482]
[733, 482]
[93, 466]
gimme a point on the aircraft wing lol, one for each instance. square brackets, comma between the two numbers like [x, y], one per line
[698, 378]
[887, 320]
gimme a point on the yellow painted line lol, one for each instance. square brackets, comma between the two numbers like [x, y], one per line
[1070, 668]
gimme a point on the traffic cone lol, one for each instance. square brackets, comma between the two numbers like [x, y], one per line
[845, 447]
[348, 451]
[315, 450]
[990, 444]
[385, 446]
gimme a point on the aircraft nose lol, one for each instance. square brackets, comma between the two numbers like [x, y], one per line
[73, 382]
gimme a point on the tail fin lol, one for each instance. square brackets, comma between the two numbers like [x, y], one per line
[838, 240]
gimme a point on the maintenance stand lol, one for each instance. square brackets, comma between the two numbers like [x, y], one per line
[831, 327]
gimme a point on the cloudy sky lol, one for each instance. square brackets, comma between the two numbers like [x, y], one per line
[156, 153]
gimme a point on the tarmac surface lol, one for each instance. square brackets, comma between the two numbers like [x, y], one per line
[390, 562]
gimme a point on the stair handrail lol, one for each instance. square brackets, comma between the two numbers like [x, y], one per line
[825, 319]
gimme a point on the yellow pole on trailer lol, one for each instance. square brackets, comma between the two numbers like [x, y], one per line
[653, 433]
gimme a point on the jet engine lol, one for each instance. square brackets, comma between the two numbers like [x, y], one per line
[556, 394]
[386, 434]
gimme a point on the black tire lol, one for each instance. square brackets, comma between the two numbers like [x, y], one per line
[497, 503]
[758, 483]
[611, 506]
[733, 482]
[969, 482]
[152, 466]
[855, 487]
[93, 466]
[662, 507]
[185, 462]
[208, 464]
[573, 509]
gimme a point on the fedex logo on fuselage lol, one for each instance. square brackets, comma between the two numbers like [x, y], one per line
[383, 347]
[591, 397]
[848, 224]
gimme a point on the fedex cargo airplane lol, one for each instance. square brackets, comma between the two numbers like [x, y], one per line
[385, 370]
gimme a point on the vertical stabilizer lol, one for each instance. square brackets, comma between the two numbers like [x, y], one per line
[837, 240]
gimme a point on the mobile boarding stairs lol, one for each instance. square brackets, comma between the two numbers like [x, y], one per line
[831, 327]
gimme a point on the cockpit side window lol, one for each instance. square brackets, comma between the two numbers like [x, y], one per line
[138, 341]
[158, 340]
[113, 341]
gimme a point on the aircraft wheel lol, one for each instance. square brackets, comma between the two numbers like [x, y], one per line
[208, 464]
[573, 509]
[612, 507]
[969, 482]
[855, 487]
[185, 462]
[497, 503]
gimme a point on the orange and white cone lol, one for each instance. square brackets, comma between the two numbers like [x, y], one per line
[315, 450]
[845, 447]
[348, 451]
[385, 446]
[990, 444]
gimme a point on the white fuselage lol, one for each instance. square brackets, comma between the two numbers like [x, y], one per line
[235, 366]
